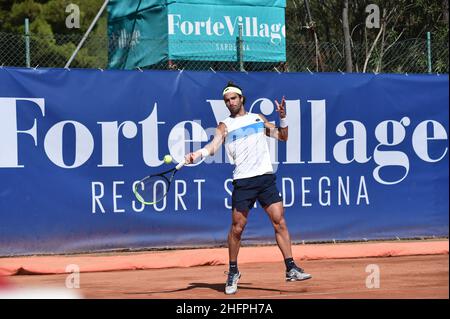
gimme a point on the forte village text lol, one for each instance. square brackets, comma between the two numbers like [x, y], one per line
[352, 148]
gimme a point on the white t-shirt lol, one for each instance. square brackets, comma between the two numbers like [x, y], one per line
[246, 146]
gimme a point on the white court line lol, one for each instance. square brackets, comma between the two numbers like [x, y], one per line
[342, 292]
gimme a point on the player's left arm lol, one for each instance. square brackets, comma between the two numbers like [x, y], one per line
[280, 132]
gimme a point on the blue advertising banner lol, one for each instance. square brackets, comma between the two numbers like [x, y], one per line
[367, 157]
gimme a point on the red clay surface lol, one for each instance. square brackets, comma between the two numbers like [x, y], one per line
[213, 257]
[424, 276]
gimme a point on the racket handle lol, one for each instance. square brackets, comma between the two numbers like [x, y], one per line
[180, 165]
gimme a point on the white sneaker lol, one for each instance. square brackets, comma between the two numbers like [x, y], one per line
[297, 274]
[231, 284]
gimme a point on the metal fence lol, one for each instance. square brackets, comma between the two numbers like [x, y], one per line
[408, 56]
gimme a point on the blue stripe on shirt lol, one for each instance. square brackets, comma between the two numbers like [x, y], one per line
[245, 131]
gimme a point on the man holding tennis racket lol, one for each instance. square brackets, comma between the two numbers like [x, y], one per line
[244, 136]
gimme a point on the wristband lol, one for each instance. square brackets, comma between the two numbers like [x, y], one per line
[283, 122]
[204, 152]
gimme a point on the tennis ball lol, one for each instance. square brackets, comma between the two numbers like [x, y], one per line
[167, 159]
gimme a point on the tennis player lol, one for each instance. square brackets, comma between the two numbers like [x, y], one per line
[244, 136]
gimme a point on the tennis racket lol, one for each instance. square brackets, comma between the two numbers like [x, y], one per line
[153, 188]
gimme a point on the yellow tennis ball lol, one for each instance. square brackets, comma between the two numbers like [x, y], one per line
[167, 159]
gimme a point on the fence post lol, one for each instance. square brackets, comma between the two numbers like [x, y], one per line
[27, 42]
[87, 33]
[429, 52]
[240, 50]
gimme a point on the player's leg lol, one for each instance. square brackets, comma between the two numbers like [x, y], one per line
[270, 199]
[238, 222]
[276, 215]
[275, 211]
[243, 198]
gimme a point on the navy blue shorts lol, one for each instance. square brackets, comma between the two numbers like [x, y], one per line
[247, 190]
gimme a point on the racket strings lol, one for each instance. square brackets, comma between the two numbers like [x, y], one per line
[152, 189]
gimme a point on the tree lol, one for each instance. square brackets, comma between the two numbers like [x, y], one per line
[398, 45]
[348, 50]
[52, 42]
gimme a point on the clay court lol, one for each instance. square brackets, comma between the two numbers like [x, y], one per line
[406, 270]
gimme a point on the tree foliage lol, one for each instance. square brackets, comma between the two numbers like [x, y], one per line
[403, 22]
[403, 35]
[52, 42]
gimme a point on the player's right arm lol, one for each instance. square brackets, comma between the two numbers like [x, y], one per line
[211, 147]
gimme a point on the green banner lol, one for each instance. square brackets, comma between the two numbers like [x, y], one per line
[138, 39]
[123, 8]
[208, 33]
[148, 32]
[252, 3]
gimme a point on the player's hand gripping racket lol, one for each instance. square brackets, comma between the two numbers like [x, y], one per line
[153, 188]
